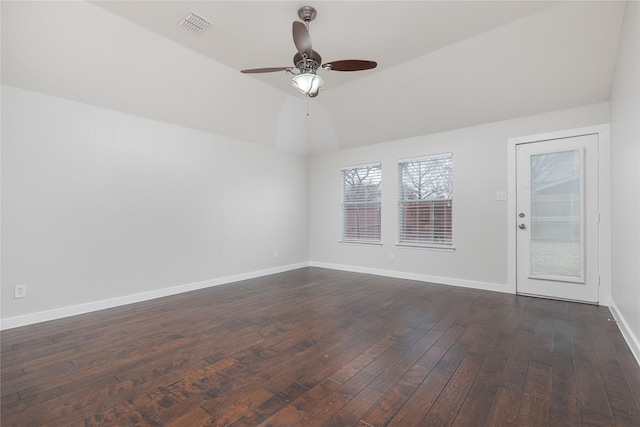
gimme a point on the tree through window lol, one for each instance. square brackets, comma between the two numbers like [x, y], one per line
[425, 199]
[361, 195]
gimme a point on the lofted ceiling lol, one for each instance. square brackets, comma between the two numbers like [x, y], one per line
[441, 64]
[251, 34]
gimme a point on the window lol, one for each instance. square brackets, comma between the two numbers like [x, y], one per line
[361, 189]
[425, 200]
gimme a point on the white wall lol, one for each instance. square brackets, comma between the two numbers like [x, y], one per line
[77, 50]
[98, 204]
[479, 220]
[625, 179]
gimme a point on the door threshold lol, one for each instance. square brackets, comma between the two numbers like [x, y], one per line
[557, 299]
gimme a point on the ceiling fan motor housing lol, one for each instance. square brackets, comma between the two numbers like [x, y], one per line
[307, 64]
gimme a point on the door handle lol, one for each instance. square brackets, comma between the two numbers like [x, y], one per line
[522, 226]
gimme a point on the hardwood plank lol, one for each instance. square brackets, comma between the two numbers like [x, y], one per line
[353, 411]
[632, 373]
[236, 410]
[534, 410]
[515, 372]
[315, 346]
[186, 413]
[488, 378]
[448, 404]
[591, 393]
[296, 410]
[336, 400]
[388, 406]
[355, 365]
[419, 404]
[563, 398]
[402, 362]
[624, 408]
[505, 408]
[270, 406]
[473, 412]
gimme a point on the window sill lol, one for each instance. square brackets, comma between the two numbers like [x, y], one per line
[360, 242]
[427, 247]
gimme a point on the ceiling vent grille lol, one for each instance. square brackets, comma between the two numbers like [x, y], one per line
[194, 22]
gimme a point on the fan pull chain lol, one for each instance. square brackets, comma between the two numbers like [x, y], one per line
[307, 105]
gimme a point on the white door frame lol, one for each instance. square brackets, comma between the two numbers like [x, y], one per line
[604, 203]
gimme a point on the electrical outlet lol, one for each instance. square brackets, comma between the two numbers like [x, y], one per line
[20, 291]
[392, 257]
[275, 254]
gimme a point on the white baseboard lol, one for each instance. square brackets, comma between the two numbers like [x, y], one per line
[419, 277]
[58, 313]
[627, 333]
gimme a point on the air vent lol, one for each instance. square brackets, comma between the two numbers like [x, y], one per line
[194, 22]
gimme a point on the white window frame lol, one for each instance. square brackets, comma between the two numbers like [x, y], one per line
[445, 197]
[376, 205]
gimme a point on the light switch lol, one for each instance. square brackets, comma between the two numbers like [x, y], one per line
[501, 195]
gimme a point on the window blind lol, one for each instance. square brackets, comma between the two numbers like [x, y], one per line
[361, 195]
[425, 200]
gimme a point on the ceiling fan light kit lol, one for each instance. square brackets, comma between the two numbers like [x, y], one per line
[307, 61]
[308, 84]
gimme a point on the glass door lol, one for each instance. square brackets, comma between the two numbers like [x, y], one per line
[558, 218]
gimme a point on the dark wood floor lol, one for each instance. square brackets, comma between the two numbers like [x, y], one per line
[321, 347]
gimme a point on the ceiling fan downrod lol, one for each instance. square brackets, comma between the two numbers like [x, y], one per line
[307, 14]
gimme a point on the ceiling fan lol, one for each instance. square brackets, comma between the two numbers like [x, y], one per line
[307, 61]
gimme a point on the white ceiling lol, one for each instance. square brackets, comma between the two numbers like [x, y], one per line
[441, 65]
[254, 34]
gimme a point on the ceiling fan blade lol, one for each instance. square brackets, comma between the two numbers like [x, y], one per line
[350, 65]
[301, 38]
[265, 70]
